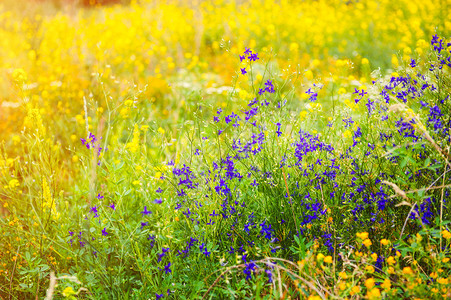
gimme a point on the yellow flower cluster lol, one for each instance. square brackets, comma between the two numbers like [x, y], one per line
[19, 76]
[133, 146]
[48, 202]
[33, 121]
[133, 40]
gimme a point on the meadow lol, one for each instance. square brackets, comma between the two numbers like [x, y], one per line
[245, 149]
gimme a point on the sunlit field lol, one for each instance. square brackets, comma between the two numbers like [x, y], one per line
[225, 149]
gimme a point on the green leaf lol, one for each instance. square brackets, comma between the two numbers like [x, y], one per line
[24, 286]
[44, 268]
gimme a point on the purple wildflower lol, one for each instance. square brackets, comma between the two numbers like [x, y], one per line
[145, 211]
[167, 268]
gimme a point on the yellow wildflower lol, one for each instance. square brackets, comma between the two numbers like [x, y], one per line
[386, 284]
[369, 283]
[19, 76]
[133, 146]
[68, 291]
[369, 269]
[385, 242]
[407, 51]
[367, 243]
[314, 106]
[340, 62]
[422, 43]
[374, 294]
[259, 77]
[407, 270]
[13, 183]
[46, 194]
[374, 256]
[446, 234]
[391, 260]
[124, 112]
[303, 115]
[362, 235]
[419, 237]
[347, 134]
[355, 290]
[320, 256]
[33, 120]
[394, 61]
[16, 139]
[10, 162]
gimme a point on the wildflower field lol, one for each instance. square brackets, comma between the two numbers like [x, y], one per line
[245, 149]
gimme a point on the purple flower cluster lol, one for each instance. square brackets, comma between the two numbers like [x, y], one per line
[250, 56]
[313, 95]
[91, 142]
[269, 88]
[189, 244]
[360, 93]
[254, 193]
[443, 58]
